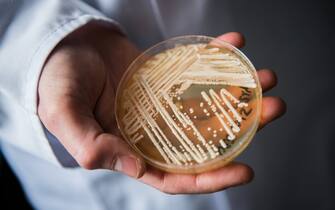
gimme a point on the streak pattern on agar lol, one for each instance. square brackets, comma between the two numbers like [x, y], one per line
[190, 103]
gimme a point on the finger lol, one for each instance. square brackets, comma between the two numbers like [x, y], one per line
[267, 79]
[272, 108]
[234, 38]
[74, 125]
[232, 175]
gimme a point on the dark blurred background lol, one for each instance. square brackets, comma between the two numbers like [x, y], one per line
[293, 157]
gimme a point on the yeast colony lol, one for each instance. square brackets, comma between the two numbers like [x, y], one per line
[189, 104]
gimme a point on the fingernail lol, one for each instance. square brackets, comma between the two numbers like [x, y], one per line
[128, 165]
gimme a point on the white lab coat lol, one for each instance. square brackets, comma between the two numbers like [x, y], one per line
[29, 30]
[293, 158]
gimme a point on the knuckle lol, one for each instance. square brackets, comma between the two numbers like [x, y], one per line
[49, 115]
[88, 158]
[170, 189]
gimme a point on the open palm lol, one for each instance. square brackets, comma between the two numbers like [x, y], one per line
[76, 103]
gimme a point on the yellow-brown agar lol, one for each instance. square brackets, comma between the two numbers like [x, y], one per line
[189, 104]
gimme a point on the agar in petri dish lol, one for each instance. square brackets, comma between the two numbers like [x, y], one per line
[189, 104]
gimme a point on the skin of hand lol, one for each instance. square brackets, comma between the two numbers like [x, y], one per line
[76, 95]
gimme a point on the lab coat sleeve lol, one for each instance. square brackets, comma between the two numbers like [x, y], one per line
[29, 30]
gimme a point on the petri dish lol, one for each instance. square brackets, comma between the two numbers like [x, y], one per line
[189, 104]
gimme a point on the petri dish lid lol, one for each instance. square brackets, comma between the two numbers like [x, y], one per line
[189, 104]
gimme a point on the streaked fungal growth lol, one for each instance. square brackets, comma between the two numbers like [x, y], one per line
[189, 107]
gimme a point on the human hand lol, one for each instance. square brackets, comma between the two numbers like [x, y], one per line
[76, 103]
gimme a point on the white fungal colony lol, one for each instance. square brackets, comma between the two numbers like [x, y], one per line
[159, 109]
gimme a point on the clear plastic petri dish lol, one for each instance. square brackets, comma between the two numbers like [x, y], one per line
[189, 104]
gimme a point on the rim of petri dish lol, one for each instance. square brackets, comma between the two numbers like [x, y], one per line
[232, 152]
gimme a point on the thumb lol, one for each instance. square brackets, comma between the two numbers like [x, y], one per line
[76, 128]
